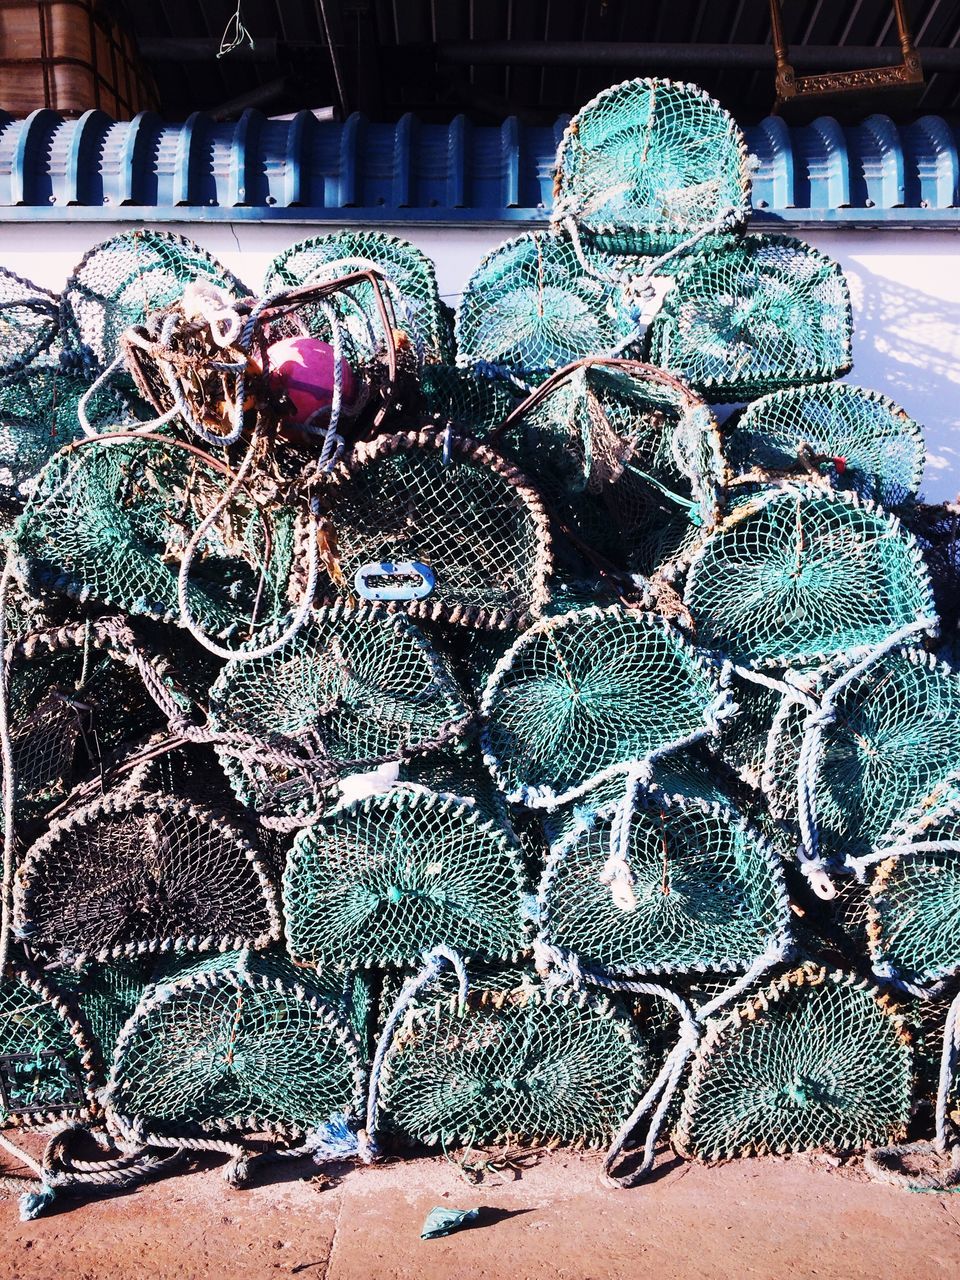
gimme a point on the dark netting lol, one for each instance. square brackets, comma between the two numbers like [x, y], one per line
[234, 1045]
[474, 404]
[106, 995]
[648, 164]
[381, 880]
[796, 575]
[132, 873]
[589, 691]
[859, 439]
[815, 1061]
[530, 308]
[440, 527]
[119, 282]
[47, 1061]
[514, 1065]
[353, 687]
[654, 883]
[409, 276]
[110, 523]
[937, 531]
[926, 1018]
[28, 321]
[766, 313]
[743, 736]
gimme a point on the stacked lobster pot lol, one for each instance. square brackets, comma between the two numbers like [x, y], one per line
[526, 727]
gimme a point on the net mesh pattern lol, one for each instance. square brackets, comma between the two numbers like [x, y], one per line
[860, 439]
[648, 163]
[586, 692]
[682, 887]
[410, 279]
[472, 520]
[519, 1066]
[815, 1061]
[743, 737]
[233, 1047]
[106, 995]
[767, 313]
[530, 308]
[129, 874]
[795, 576]
[474, 405]
[46, 1061]
[380, 881]
[352, 688]
[120, 282]
[28, 321]
[109, 524]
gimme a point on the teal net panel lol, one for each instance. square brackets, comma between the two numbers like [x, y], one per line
[48, 1062]
[516, 1066]
[353, 687]
[234, 1046]
[380, 881]
[409, 275]
[132, 873]
[530, 308]
[815, 1061]
[588, 692]
[420, 500]
[860, 440]
[474, 404]
[120, 282]
[650, 163]
[28, 321]
[658, 884]
[106, 995]
[766, 313]
[109, 524]
[795, 576]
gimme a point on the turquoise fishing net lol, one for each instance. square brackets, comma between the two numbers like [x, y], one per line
[410, 279]
[589, 691]
[28, 321]
[650, 163]
[796, 575]
[859, 439]
[530, 308]
[421, 499]
[47, 1061]
[353, 687]
[658, 884]
[236, 1045]
[474, 405]
[381, 880]
[815, 1061]
[120, 282]
[132, 873]
[514, 1065]
[106, 995]
[766, 313]
[743, 737]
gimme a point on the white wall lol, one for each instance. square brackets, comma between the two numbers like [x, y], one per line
[905, 287]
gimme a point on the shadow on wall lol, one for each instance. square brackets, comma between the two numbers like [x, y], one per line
[906, 344]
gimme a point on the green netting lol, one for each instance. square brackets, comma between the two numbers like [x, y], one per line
[915, 908]
[517, 1066]
[353, 687]
[894, 736]
[589, 691]
[119, 282]
[926, 1019]
[472, 403]
[106, 995]
[454, 507]
[110, 523]
[658, 884]
[813, 1062]
[796, 575]
[47, 1063]
[409, 275]
[744, 735]
[132, 873]
[236, 1046]
[381, 880]
[769, 312]
[28, 321]
[649, 163]
[530, 308]
[861, 440]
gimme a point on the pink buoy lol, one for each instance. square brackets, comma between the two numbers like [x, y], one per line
[303, 369]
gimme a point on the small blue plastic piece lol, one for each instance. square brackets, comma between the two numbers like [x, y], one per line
[408, 580]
